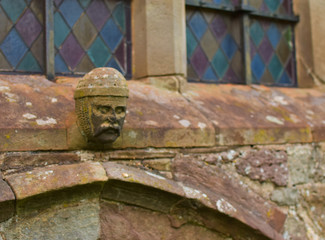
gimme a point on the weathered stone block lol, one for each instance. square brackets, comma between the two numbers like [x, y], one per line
[120, 221]
[229, 196]
[64, 222]
[300, 164]
[314, 196]
[158, 164]
[285, 196]
[264, 165]
[52, 178]
[7, 201]
[20, 161]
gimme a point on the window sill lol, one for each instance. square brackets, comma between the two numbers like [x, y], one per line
[39, 115]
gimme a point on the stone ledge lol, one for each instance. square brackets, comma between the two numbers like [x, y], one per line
[39, 115]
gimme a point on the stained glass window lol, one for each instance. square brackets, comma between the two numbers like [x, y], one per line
[271, 51]
[241, 41]
[87, 34]
[213, 47]
[21, 35]
[90, 34]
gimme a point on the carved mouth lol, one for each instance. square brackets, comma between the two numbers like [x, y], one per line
[108, 130]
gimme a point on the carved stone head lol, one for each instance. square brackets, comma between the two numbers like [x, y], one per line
[100, 101]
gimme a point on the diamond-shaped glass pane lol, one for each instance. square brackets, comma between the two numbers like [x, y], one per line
[213, 41]
[21, 36]
[96, 31]
[271, 61]
[283, 7]
[13, 8]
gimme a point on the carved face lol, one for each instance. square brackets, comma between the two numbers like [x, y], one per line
[106, 117]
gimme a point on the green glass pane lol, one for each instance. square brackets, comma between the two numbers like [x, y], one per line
[29, 63]
[119, 15]
[61, 30]
[190, 42]
[99, 53]
[275, 67]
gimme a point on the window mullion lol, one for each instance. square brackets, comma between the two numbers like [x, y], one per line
[49, 40]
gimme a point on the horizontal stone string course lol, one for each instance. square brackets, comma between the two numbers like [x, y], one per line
[39, 116]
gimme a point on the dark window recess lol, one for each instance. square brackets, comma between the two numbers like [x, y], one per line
[241, 41]
[87, 34]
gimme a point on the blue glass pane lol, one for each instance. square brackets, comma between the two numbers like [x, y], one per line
[198, 25]
[60, 65]
[274, 35]
[111, 34]
[229, 46]
[13, 47]
[71, 11]
[258, 67]
[112, 63]
[210, 76]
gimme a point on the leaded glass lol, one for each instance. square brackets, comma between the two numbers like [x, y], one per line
[213, 46]
[272, 53]
[91, 34]
[21, 36]
[283, 7]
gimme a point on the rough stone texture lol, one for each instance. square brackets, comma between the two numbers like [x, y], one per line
[54, 178]
[285, 196]
[159, 164]
[34, 111]
[160, 22]
[64, 222]
[245, 115]
[314, 196]
[300, 164]
[319, 158]
[295, 229]
[121, 221]
[264, 165]
[265, 217]
[7, 201]
[22, 161]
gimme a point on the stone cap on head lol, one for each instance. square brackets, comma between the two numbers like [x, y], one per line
[102, 82]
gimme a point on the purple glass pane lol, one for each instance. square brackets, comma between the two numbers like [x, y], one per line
[231, 76]
[57, 2]
[290, 68]
[71, 51]
[98, 13]
[218, 26]
[265, 50]
[199, 61]
[120, 53]
[287, 6]
[28, 27]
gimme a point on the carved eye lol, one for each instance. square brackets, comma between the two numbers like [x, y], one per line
[120, 111]
[103, 109]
